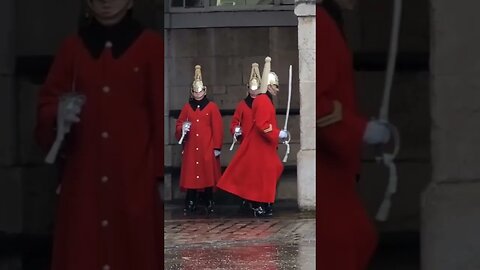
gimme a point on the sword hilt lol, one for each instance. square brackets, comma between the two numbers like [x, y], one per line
[234, 141]
[181, 138]
[287, 143]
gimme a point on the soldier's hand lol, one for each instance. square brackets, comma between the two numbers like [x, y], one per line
[186, 126]
[376, 133]
[282, 135]
[69, 108]
[238, 131]
[216, 152]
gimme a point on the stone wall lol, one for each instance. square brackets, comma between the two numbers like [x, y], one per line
[450, 216]
[226, 55]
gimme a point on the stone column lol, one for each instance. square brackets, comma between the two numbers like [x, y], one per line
[167, 181]
[450, 205]
[7, 68]
[305, 11]
[10, 201]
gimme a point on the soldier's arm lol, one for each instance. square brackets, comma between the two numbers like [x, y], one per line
[236, 119]
[328, 111]
[178, 124]
[217, 127]
[262, 116]
[340, 128]
[58, 82]
[157, 102]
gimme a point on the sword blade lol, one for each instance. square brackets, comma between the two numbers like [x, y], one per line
[384, 109]
[289, 96]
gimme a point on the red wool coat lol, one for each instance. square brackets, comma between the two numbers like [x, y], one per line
[255, 168]
[242, 117]
[200, 168]
[345, 235]
[109, 213]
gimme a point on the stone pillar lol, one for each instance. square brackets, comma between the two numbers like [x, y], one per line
[167, 181]
[7, 95]
[10, 202]
[305, 11]
[450, 215]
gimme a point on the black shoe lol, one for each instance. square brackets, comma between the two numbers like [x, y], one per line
[210, 207]
[268, 209]
[258, 211]
[189, 208]
[245, 207]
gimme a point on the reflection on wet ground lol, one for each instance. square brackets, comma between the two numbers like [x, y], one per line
[285, 242]
[226, 242]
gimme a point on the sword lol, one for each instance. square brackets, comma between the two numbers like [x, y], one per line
[234, 141]
[69, 100]
[287, 141]
[234, 138]
[234, 134]
[183, 135]
[388, 158]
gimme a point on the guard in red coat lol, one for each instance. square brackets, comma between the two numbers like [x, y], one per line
[109, 212]
[345, 234]
[242, 120]
[200, 129]
[255, 169]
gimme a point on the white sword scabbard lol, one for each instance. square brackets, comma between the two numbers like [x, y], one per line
[388, 159]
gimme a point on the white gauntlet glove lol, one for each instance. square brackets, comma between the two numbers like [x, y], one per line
[186, 126]
[237, 131]
[216, 153]
[282, 135]
[376, 133]
[69, 109]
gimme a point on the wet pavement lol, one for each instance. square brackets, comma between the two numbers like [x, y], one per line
[228, 241]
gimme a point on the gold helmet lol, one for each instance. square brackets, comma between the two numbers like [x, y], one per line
[197, 85]
[273, 83]
[255, 79]
[265, 77]
[273, 79]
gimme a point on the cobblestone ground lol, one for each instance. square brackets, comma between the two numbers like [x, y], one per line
[286, 241]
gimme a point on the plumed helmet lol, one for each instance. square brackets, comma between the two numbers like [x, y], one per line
[265, 77]
[255, 78]
[197, 85]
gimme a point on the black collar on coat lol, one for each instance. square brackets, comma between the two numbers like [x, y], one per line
[199, 103]
[249, 101]
[122, 35]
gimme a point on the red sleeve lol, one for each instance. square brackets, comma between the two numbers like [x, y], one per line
[217, 127]
[178, 124]
[237, 116]
[342, 139]
[157, 101]
[326, 62]
[263, 111]
[58, 81]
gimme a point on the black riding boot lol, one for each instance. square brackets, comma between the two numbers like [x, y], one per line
[257, 209]
[245, 207]
[268, 209]
[190, 202]
[207, 198]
